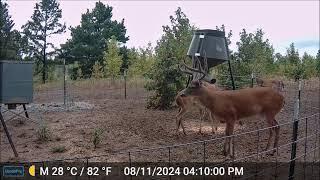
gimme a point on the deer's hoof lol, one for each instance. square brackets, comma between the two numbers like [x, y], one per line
[271, 153]
[240, 123]
[231, 156]
[225, 153]
[178, 133]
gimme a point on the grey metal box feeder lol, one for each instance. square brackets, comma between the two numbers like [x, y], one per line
[209, 44]
[207, 49]
[15, 88]
[16, 84]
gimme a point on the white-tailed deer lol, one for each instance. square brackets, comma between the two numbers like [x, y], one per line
[233, 105]
[186, 102]
[276, 84]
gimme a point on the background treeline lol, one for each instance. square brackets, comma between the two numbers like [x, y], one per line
[97, 49]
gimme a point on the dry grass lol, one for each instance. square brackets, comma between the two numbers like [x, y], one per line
[59, 149]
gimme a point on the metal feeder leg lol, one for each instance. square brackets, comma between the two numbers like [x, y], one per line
[25, 111]
[8, 135]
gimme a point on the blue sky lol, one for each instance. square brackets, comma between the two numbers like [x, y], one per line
[283, 22]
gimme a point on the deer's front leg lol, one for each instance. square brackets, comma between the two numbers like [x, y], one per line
[214, 126]
[202, 114]
[228, 148]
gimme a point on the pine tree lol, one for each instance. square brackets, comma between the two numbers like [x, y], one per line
[43, 24]
[171, 49]
[97, 71]
[112, 59]
[293, 54]
[89, 39]
[295, 67]
[79, 74]
[318, 63]
[141, 61]
[10, 40]
[310, 65]
[255, 54]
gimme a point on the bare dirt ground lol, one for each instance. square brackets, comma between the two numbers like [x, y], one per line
[128, 126]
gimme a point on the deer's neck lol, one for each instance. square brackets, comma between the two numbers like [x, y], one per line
[207, 98]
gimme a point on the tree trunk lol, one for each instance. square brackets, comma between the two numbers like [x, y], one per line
[44, 69]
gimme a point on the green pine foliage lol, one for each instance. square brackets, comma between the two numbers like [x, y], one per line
[10, 39]
[141, 62]
[318, 63]
[97, 71]
[88, 41]
[112, 59]
[44, 23]
[171, 49]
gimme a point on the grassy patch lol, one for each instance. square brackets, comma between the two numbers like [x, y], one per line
[43, 133]
[97, 136]
[58, 149]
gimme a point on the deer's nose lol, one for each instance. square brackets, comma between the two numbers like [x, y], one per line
[213, 81]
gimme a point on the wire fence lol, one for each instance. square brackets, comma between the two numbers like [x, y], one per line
[297, 155]
[80, 90]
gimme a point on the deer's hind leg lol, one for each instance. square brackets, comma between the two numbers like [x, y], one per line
[201, 114]
[179, 122]
[214, 126]
[273, 124]
[276, 139]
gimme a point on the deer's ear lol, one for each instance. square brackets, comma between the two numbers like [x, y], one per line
[198, 83]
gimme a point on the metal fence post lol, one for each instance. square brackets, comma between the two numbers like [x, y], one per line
[295, 135]
[125, 84]
[204, 153]
[64, 83]
[252, 77]
[204, 157]
[130, 163]
[258, 151]
[169, 153]
[231, 75]
[318, 122]
[305, 147]
[87, 162]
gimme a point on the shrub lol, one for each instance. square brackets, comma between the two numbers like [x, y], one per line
[43, 133]
[97, 137]
[58, 149]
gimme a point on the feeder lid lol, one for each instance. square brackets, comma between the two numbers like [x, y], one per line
[210, 44]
